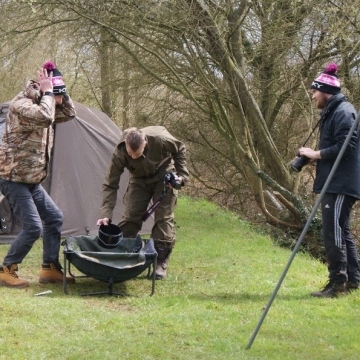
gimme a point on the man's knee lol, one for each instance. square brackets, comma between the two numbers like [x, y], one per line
[129, 229]
[59, 216]
[33, 230]
[55, 219]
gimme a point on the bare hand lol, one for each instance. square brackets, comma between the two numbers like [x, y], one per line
[104, 221]
[45, 81]
[310, 153]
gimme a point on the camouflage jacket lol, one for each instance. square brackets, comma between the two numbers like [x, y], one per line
[28, 137]
[162, 154]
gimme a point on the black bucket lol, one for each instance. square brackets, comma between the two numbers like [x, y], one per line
[109, 236]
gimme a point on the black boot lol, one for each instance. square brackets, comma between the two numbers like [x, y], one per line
[331, 290]
[351, 286]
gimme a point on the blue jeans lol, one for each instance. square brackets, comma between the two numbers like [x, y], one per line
[38, 216]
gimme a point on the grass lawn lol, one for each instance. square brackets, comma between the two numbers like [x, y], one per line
[221, 276]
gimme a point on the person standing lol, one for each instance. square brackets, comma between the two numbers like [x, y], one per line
[337, 118]
[24, 163]
[149, 154]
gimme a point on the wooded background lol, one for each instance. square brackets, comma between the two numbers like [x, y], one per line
[229, 78]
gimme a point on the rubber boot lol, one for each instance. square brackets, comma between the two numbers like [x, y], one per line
[162, 262]
[8, 277]
[50, 273]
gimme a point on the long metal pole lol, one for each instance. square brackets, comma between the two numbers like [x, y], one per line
[304, 231]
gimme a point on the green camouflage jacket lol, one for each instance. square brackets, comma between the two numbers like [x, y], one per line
[162, 154]
[28, 138]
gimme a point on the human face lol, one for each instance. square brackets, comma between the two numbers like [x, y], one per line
[58, 99]
[319, 98]
[136, 154]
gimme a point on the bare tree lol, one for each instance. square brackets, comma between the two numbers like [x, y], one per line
[230, 77]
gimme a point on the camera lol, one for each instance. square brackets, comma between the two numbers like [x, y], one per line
[173, 180]
[299, 162]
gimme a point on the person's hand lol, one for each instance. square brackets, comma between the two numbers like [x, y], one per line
[45, 81]
[177, 183]
[310, 153]
[172, 180]
[104, 221]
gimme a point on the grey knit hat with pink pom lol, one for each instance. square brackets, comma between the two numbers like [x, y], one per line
[328, 81]
[59, 87]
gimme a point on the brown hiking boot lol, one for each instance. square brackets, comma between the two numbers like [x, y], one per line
[331, 290]
[50, 273]
[8, 277]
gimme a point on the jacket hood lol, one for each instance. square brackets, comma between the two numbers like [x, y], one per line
[32, 90]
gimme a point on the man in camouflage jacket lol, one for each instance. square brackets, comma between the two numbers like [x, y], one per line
[24, 162]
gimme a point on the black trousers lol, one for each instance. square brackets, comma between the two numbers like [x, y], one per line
[340, 248]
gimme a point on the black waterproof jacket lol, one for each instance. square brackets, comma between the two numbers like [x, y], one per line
[337, 119]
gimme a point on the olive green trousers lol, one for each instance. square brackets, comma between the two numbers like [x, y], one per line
[137, 199]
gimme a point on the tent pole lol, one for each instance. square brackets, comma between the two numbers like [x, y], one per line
[304, 231]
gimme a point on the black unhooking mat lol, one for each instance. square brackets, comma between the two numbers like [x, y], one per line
[127, 260]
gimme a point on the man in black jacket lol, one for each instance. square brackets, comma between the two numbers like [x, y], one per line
[337, 117]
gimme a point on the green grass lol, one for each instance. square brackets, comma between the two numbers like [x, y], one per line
[221, 276]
